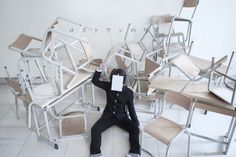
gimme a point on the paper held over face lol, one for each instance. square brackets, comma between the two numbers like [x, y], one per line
[117, 83]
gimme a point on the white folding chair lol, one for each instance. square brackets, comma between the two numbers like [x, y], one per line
[142, 81]
[65, 46]
[225, 87]
[89, 63]
[168, 130]
[29, 46]
[166, 43]
[15, 88]
[44, 98]
[187, 5]
[192, 70]
[130, 55]
[62, 35]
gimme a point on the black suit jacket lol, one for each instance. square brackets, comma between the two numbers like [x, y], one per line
[117, 102]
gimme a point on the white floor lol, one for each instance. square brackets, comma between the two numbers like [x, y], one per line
[16, 140]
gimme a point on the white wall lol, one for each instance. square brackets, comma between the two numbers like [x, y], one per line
[213, 31]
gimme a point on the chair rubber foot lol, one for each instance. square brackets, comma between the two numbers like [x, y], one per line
[56, 146]
[98, 108]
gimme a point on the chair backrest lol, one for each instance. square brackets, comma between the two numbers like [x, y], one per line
[120, 63]
[48, 35]
[227, 89]
[190, 4]
[87, 49]
[186, 65]
[47, 39]
[12, 83]
[178, 99]
[162, 19]
[22, 42]
[150, 66]
[161, 28]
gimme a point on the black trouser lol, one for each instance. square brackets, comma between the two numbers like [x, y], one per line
[107, 121]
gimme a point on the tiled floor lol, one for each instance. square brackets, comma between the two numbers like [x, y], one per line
[16, 140]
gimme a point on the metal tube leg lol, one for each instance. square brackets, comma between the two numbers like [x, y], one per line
[93, 95]
[230, 136]
[167, 150]
[189, 143]
[82, 93]
[155, 108]
[36, 120]
[141, 141]
[47, 124]
[40, 70]
[142, 149]
[29, 114]
[230, 128]
[17, 107]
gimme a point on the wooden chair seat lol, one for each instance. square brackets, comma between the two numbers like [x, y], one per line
[163, 129]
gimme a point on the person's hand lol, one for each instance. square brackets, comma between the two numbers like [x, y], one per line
[102, 66]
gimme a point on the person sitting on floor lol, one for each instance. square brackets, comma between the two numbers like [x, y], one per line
[115, 113]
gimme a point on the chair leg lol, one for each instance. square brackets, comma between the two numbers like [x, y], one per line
[189, 143]
[29, 114]
[141, 145]
[17, 107]
[141, 142]
[36, 121]
[167, 150]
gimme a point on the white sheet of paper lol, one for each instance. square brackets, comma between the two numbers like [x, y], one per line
[117, 83]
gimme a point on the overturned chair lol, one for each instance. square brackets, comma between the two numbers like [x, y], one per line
[141, 86]
[192, 70]
[44, 97]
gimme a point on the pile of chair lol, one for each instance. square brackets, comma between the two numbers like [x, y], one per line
[50, 70]
[64, 61]
[169, 50]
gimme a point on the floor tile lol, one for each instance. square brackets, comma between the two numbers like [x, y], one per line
[12, 140]
[10, 119]
[212, 148]
[33, 147]
[79, 148]
[18, 141]
[4, 111]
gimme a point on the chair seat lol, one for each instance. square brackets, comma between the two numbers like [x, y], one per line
[79, 80]
[223, 93]
[75, 125]
[163, 129]
[205, 64]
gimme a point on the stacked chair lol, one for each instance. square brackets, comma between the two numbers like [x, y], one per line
[16, 90]
[64, 65]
